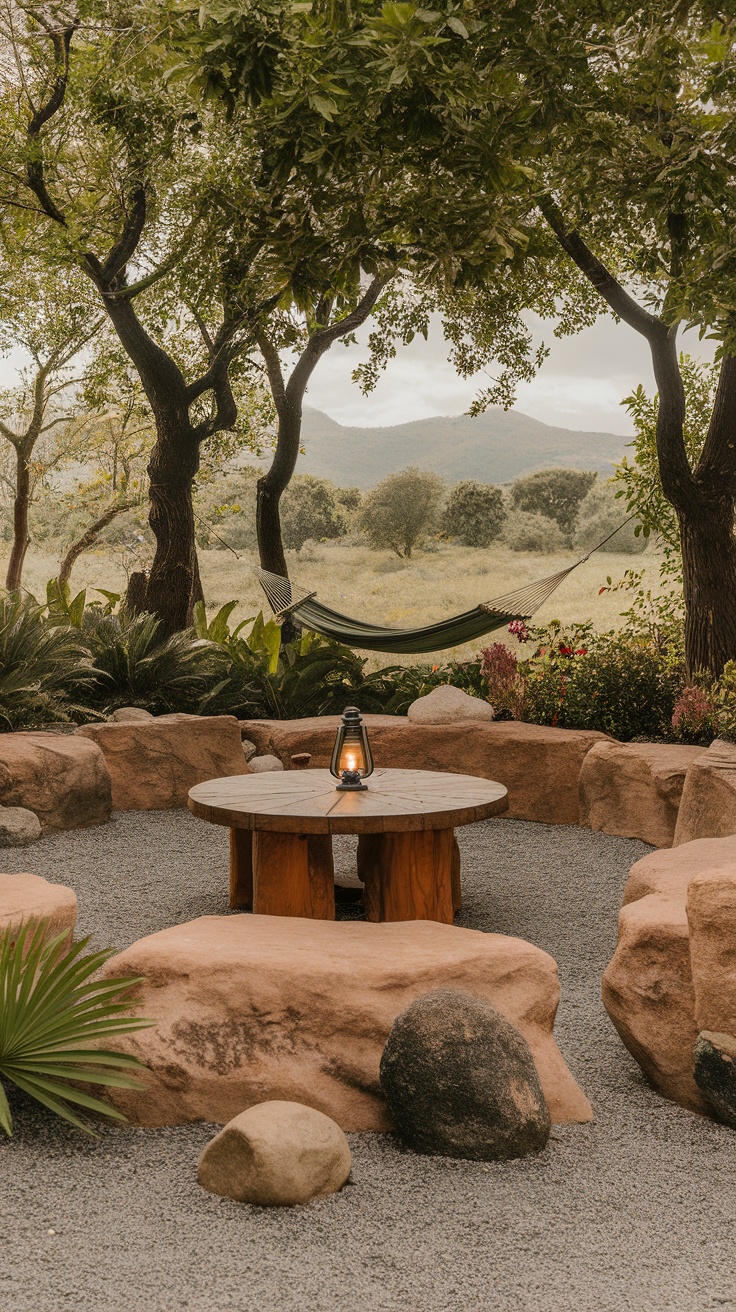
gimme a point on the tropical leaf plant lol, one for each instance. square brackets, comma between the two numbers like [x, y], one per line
[52, 1013]
[44, 664]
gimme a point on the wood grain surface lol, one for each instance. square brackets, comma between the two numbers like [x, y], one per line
[307, 802]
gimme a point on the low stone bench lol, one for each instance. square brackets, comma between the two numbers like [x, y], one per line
[674, 970]
[62, 778]
[154, 762]
[251, 1007]
[708, 807]
[634, 789]
[29, 897]
[539, 766]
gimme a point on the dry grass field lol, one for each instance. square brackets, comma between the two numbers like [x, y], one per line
[380, 587]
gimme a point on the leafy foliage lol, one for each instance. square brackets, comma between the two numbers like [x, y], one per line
[474, 513]
[44, 664]
[555, 493]
[310, 509]
[601, 513]
[401, 510]
[532, 532]
[53, 1012]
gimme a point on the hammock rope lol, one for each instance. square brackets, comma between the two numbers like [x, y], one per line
[285, 599]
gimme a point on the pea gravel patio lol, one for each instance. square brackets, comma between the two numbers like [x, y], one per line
[634, 1213]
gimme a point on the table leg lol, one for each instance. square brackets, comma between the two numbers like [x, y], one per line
[409, 876]
[241, 869]
[457, 895]
[293, 875]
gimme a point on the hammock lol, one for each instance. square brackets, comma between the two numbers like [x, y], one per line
[284, 599]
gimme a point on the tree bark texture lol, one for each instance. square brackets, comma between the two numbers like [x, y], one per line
[709, 578]
[21, 536]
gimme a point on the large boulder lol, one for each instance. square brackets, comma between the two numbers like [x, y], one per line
[715, 1073]
[539, 766]
[648, 994]
[674, 970]
[18, 826]
[708, 806]
[711, 914]
[276, 1154]
[153, 763]
[460, 1081]
[634, 789]
[671, 870]
[448, 705]
[249, 1008]
[60, 777]
[29, 897]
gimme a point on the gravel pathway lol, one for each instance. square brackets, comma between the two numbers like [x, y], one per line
[634, 1213]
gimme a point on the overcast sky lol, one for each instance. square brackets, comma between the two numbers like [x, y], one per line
[580, 385]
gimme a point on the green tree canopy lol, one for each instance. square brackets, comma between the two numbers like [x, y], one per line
[401, 510]
[474, 513]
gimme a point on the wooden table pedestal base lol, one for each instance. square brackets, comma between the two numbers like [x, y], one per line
[407, 876]
[282, 874]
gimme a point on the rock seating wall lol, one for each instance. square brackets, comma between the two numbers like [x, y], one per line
[634, 789]
[29, 897]
[61, 777]
[153, 763]
[252, 1008]
[539, 766]
[674, 970]
[708, 807]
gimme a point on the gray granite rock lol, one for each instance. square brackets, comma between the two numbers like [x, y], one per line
[460, 1081]
[18, 826]
[715, 1073]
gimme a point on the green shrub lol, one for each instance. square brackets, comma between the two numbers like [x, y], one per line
[555, 493]
[401, 510]
[52, 1015]
[474, 514]
[45, 667]
[601, 513]
[309, 509]
[532, 532]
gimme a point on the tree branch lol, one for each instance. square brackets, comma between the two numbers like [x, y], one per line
[274, 371]
[129, 238]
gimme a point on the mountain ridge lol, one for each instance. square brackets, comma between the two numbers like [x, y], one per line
[495, 447]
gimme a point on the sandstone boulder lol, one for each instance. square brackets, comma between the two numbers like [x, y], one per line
[129, 715]
[447, 705]
[29, 897]
[262, 764]
[634, 789]
[708, 806]
[154, 763]
[62, 778]
[460, 1081]
[671, 870]
[715, 1073]
[711, 914]
[539, 766]
[276, 1154]
[18, 827]
[252, 1008]
[648, 993]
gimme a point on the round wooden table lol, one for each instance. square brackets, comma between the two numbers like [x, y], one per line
[281, 826]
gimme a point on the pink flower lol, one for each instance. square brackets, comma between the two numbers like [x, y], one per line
[519, 630]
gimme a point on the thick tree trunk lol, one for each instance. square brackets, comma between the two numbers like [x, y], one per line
[21, 537]
[269, 491]
[709, 577]
[173, 583]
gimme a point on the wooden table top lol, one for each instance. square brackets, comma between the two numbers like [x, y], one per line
[307, 802]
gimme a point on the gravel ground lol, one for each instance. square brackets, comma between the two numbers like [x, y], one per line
[634, 1213]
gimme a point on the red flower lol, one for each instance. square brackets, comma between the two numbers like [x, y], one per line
[565, 651]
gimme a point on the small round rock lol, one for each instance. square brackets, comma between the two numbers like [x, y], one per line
[276, 1154]
[460, 1081]
[446, 705]
[260, 764]
[18, 826]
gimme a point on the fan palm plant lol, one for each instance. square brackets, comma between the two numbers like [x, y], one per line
[42, 664]
[52, 1012]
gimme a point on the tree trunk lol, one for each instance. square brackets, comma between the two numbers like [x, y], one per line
[709, 578]
[21, 537]
[173, 582]
[88, 540]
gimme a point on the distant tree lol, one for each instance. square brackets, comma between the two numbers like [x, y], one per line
[602, 512]
[555, 493]
[475, 513]
[401, 510]
[530, 531]
[309, 509]
[350, 498]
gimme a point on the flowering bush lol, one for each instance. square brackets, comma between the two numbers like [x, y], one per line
[696, 715]
[499, 667]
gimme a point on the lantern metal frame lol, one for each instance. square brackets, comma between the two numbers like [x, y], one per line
[352, 730]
